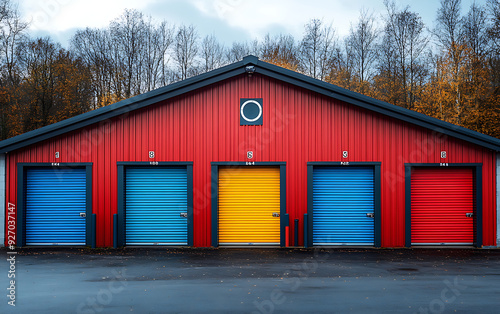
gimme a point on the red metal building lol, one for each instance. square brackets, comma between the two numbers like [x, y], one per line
[236, 155]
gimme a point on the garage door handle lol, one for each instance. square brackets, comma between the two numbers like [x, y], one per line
[371, 215]
[276, 214]
[184, 215]
[469, 215]
[83, 215]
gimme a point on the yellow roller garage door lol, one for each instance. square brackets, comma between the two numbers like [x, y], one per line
[249, 206]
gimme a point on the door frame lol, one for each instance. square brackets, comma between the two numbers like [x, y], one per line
[284, 221]
[376, 197]
[22, 168]
[120, 233]
[478, 217]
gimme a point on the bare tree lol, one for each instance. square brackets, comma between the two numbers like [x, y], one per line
[36, 59]
[128, 36]
[12, 30]
[238, 51]
[186, 50]
[361, 46]
[475, 30]
[494, 28]
[341, 70]
[129, 57]
[94, 48]
[448, 31]
[159, 39]
[450, 36]
[387, 80]
[12, 34]
[405, 30]
[316, 48]
[280, 50]
[212, 53]
[494, 34]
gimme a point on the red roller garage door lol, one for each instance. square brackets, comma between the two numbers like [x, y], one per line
[442, 206]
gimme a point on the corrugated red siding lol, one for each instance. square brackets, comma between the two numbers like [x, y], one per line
[299, 126]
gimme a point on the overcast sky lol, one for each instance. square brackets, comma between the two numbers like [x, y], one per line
[229, 20]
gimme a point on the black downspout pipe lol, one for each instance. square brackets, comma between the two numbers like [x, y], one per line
[94, 230]
[296, 233]
[115, 231]
[306, 230]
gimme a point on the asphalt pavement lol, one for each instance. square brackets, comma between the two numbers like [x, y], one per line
[160, 280]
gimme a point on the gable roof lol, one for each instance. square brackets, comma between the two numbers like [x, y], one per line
[235, 69]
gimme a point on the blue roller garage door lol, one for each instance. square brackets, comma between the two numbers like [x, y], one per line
[342, 198]
[156, 206]
[55, 198]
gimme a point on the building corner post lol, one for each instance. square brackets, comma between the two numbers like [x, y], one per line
[498, 198]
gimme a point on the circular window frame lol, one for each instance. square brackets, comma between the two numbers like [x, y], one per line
[243, 107]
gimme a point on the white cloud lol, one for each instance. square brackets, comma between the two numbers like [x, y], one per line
[62, 15]
[258, 16]
[230, 20]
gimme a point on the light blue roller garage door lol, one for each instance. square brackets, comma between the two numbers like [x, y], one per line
[156, 206]
[55, 200]
[343, 203]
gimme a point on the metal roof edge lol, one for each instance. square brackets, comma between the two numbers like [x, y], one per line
[92, 117]
[382, 107]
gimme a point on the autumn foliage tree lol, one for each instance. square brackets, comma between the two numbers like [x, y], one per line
[451, 72]
[55, 86]
[460, 89]
[40, 82]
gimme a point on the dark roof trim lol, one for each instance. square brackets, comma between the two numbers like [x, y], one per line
[379, 106]
[294, 78]
[122, 107]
